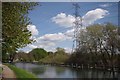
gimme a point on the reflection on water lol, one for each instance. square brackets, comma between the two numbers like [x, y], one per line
[47, 71]
[38, 70]
[59, 70]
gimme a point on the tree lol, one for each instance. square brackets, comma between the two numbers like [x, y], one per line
[95, 38]
[38, 53]
[112, 44]
[14, 27]
[105, 42]
[58, 57]
[60, 50]
[99, 45]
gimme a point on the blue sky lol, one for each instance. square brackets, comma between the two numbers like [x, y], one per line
[52, 22]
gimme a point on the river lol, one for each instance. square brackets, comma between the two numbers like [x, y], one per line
[49, 71]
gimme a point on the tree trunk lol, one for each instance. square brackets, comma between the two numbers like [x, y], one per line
[12, 56]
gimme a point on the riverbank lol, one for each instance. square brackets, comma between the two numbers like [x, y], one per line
[20, 73]
[8, 73]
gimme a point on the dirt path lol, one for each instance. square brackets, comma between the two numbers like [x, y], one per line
[7, 72]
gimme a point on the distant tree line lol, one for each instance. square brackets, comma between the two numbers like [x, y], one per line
[42, 56]
[33, 56]
[57, 57]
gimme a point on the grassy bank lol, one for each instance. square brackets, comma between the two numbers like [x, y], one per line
[20, 73]
[0, 70]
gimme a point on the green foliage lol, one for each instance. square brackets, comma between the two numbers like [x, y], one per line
[60, 50]
[58, 57]
[14, 26]
[55, 58]
[38, 53]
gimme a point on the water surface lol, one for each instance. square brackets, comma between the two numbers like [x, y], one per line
[48, 71]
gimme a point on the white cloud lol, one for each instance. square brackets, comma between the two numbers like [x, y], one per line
[51, 49]
[91, 16]
[64, 20]
[32, 46]
[48, 41]
[54, 37]
[46, 44]
[69, 33]
[33, 29]
[105, 5]
[68, 50]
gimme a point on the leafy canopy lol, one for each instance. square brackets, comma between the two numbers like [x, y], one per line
[38, 53]
[14, 26]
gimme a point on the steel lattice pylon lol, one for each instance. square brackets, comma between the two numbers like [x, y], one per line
[77, 27]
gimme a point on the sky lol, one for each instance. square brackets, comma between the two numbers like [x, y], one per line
[52, 22]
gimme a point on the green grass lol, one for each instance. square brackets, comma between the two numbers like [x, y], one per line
[20, 73]
[0, 70]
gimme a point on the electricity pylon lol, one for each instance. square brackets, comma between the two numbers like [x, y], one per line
[77, 27]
